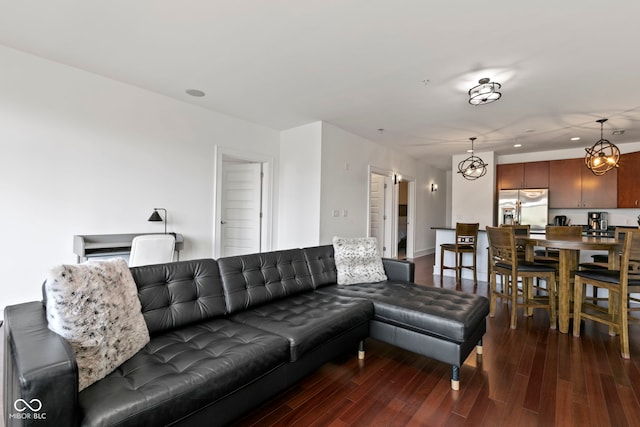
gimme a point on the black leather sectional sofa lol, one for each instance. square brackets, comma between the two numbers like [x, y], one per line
[227, 335]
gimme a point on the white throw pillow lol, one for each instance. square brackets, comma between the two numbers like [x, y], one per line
[357, 260]
[95, 307]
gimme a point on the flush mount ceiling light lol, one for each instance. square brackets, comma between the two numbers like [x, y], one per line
[472, 167]
[603, 156]
[485, 93]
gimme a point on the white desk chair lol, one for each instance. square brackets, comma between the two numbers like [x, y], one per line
[152, 249]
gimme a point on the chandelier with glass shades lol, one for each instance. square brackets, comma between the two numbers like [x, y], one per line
[473, 167]
[603, 156]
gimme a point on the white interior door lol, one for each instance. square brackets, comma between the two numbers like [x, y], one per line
[241, 213]
[378, 215]
[376, 209]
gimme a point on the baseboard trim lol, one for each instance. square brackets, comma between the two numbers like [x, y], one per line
[424, 252]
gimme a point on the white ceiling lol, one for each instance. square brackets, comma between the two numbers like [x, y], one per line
[404, 65]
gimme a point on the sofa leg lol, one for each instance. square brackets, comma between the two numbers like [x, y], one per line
[479, 347]
[455, 377]
[361, 350]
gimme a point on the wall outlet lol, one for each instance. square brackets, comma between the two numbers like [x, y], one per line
[345, 212]
[336, 213]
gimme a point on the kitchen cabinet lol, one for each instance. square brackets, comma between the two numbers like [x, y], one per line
[629, 181]
[510, 176]
[572, 185]
[536, 175]
[523, 175]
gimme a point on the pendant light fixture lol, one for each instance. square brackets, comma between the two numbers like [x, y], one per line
[472, 167]
[603, 156]
[485, 93]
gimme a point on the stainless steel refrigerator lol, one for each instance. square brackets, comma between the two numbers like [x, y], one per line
[524, 207]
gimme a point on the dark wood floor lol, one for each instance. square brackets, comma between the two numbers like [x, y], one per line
[532, 376]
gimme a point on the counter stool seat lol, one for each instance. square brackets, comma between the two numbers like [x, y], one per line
[466, 243]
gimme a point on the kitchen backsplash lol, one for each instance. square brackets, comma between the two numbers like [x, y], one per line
[580, 216]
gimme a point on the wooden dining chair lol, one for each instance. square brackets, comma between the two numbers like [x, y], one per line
[523, 230]
[552, 255]
[466, 243]
[504, 260]
[620, 284]
[601, 261]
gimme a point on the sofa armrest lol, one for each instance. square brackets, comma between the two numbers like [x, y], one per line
[399, 269]
[38, 364]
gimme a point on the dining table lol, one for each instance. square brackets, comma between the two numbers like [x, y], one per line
[569, 256]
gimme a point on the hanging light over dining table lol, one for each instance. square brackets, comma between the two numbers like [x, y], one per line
[473, 167]
[603, 156]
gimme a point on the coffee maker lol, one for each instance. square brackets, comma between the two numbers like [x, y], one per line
[598, 221]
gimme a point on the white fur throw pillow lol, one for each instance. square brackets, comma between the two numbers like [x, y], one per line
[357, 260]
[95, 306]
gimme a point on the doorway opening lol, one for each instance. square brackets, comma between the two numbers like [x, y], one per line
[403, 218]
[391, 213]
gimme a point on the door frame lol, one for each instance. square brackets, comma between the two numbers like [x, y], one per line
[222, 154]
[392, 239]
[386, 210]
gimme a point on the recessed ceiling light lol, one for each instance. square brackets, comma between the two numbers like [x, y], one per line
[575, 138]
[195, 92]
[517, 145]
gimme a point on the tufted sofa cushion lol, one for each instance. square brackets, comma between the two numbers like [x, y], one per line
[252, 280]
[178, 294]
[322, 265]
[308, 320]
[438, 312]
[179, 372]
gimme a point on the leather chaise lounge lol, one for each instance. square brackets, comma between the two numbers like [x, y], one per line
[227, 335]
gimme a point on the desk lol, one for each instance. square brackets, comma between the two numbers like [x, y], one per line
[99, 245]
[568, 262]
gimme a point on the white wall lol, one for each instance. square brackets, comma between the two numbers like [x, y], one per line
[326, 169]
[82, 154]
[345, 177]
[300, 184]
[432, 207]
[473, 201]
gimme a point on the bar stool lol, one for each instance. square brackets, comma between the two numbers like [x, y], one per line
[466, 242]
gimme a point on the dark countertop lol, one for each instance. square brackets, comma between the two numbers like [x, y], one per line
[451, 229]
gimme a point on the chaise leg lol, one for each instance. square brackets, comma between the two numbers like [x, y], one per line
[361, 350]
[455, 377]
[479, 347]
